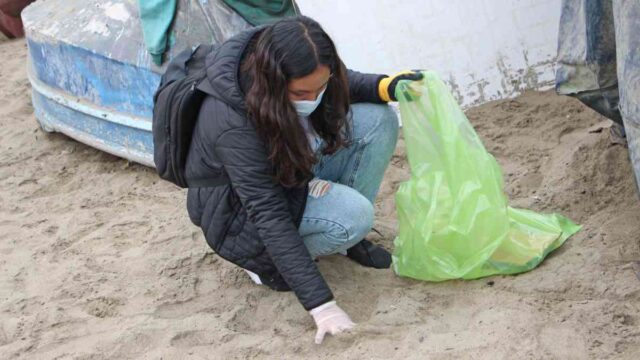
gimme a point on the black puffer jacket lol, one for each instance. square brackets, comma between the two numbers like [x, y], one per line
[252, 222]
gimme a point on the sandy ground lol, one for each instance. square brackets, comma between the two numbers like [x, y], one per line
[99, 259]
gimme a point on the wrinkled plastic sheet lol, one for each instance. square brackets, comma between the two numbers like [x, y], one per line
[454, 219]
[599, 62]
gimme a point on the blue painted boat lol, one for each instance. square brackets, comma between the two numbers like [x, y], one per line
[90, 72]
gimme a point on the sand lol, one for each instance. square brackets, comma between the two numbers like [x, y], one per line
[99, 259]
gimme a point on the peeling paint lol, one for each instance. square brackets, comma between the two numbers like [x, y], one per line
[455, 89]
[505, 80]
[482, 98]
[457, 39]
[117, 12]
[98, 27]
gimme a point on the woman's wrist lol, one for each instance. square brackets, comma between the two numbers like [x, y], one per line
[318, 309]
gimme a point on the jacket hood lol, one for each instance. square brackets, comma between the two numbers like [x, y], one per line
[223, 70]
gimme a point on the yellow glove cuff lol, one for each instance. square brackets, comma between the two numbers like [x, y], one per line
[383, 86]
[383, 89]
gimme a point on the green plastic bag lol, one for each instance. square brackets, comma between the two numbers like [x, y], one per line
[454, 220]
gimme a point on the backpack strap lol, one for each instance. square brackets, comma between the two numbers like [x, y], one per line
[179, 65]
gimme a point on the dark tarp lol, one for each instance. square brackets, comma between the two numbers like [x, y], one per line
[599, 62]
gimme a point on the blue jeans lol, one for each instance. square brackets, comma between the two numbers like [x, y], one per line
[340, 218]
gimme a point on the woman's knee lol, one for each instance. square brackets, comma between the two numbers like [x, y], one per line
[361, 218]
[379, 122]
[351, 219]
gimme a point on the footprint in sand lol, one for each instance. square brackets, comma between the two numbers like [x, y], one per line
[193, 338]
[103, 307]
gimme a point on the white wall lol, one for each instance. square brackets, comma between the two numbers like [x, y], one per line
[484, 49]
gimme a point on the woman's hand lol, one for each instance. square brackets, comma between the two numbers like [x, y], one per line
[387, 86]
[330, 319]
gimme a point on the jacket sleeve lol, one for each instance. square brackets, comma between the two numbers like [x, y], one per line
[364, 87]
[244, 157]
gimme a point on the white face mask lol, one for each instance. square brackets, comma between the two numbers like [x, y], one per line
[304, 108]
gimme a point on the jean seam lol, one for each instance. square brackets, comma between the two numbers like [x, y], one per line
[356, 165]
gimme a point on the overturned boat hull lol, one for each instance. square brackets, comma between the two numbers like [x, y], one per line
[92, 78]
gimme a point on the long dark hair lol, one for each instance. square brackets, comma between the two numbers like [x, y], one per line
[289, 49]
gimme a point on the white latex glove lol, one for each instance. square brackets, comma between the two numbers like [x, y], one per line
[330, 319]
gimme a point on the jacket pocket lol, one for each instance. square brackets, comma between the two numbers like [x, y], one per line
[237, 222]
[244, 245]
[241, 240]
